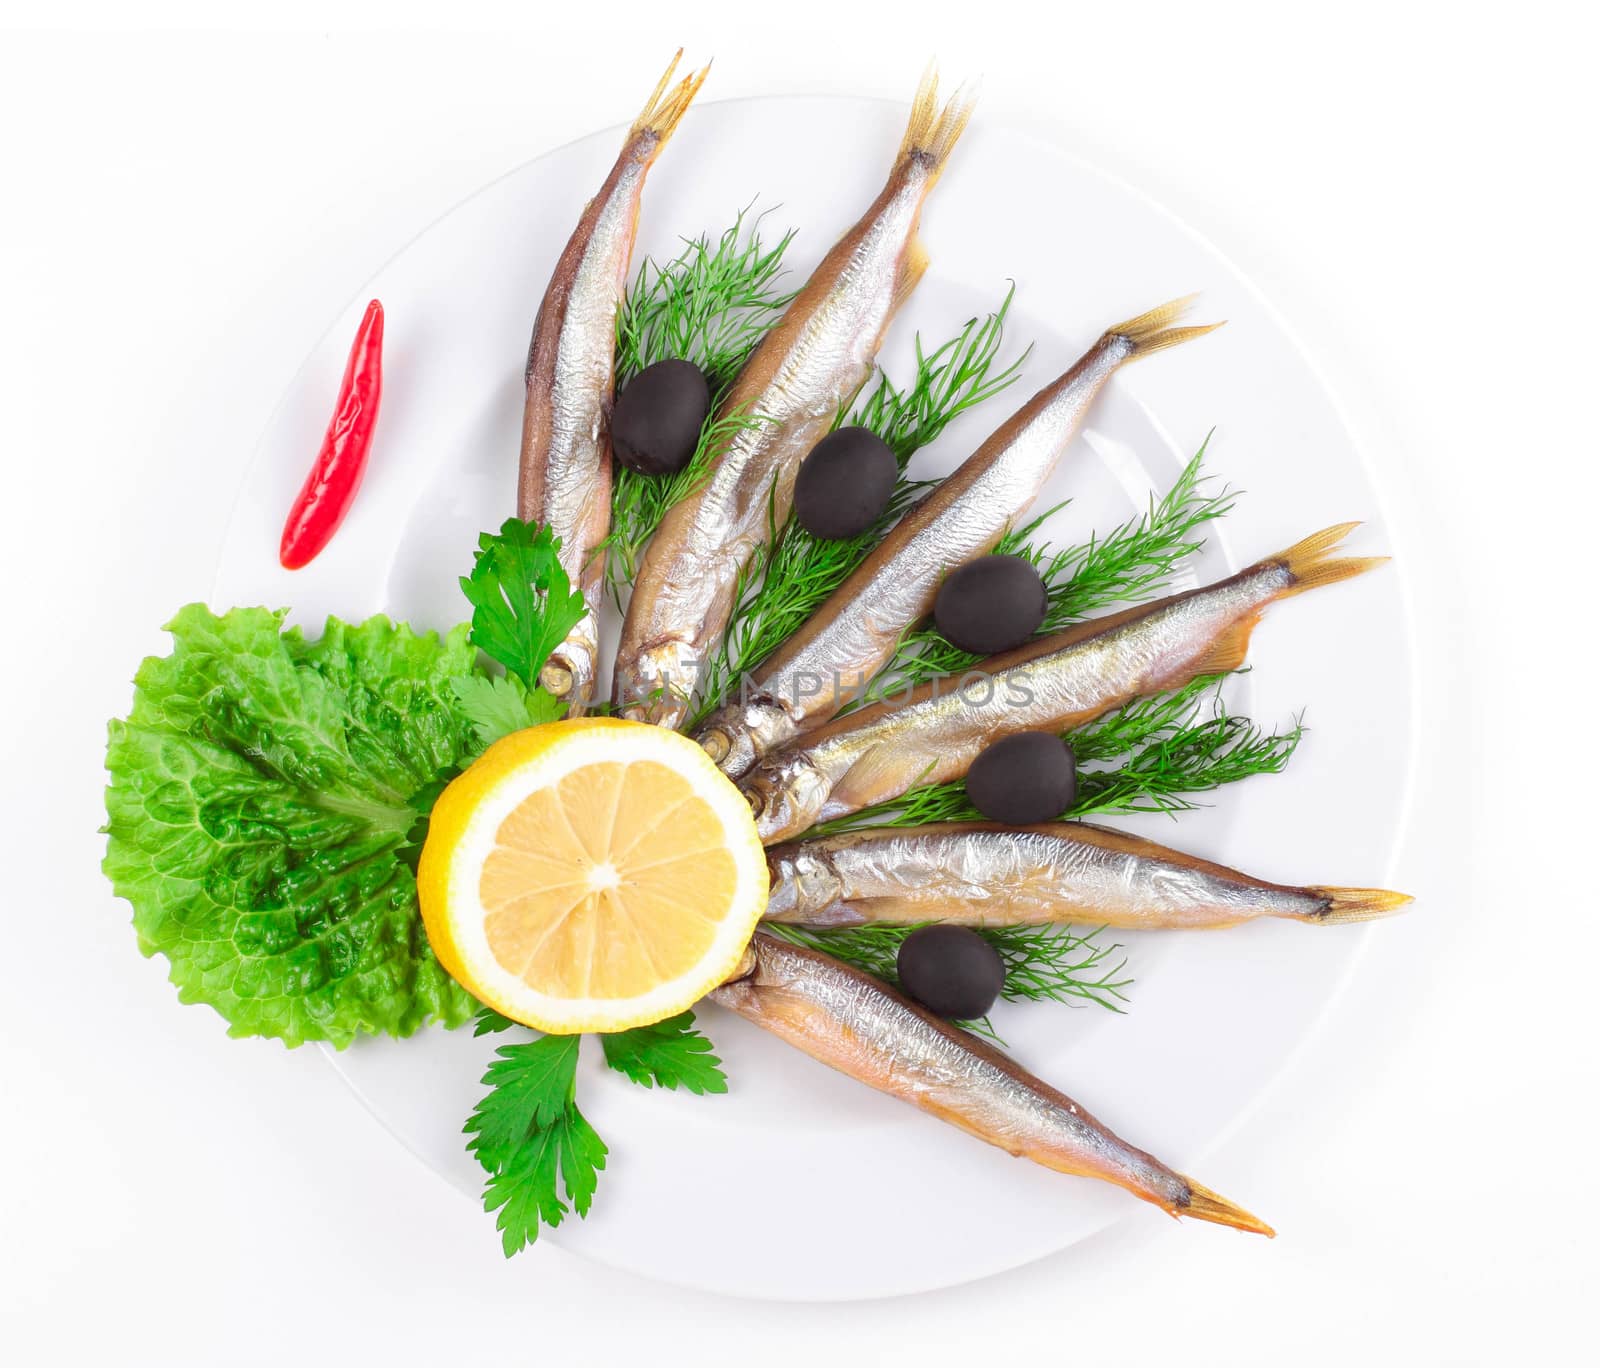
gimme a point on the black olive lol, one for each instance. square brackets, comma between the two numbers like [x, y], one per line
[951, 971]
[990, 604]
[844, 484]
[1026, 778]
[656, 421]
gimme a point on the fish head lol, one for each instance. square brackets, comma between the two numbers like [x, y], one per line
[806, 888]
[569, 673]
[786, 794]
[736, 736]
[656, 683]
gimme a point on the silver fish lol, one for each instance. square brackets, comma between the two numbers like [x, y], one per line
[1053, 684]
[789, 394]
[984, 874]
[856, 1025]
[853, 635]
[565, 474]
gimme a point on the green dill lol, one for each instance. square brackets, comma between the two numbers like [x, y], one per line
[793, 573]
[1166, 749]
[710, 305]
[1194, 758]
[1125, 729]
[1126, 565]
[1049, 963]
[1132, 561]
[947, 382]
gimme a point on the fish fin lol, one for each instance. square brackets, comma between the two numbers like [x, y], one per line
[911, 272]
[1225, 653]
[1310, 565]
[1356, 904]
[1206, 1205]
[931, 131]
[1153, 331]
[665, 108]
[836, 916]
[863, 782]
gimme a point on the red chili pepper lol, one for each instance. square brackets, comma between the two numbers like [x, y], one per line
[331, 486]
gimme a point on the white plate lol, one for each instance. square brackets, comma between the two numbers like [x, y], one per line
[753, 1193]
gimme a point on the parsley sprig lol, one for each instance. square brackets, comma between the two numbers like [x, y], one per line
[542, 1157]
[670, 1054]
[532, 1140]
[523, 606]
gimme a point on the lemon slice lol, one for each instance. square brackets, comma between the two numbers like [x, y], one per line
[591, 875]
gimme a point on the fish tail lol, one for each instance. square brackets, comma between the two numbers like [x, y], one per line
[1310, 565]
[662, 111]
[1206, 1205]
[1356, 904]
[932, 131]
[1154, 331]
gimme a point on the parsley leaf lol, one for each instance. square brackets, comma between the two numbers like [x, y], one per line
[669, 1054]
[523, 605]
[532, 1140]
[490, 1022]
[524, 1191]
[498, 705]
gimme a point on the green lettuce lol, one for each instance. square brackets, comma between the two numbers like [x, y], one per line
[264, 795]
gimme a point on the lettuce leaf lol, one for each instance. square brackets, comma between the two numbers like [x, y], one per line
[263, 793]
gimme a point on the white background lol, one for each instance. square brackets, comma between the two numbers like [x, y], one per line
[181, 215]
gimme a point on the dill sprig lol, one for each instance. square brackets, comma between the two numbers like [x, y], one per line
[1048, 963]
[793, 573]
[1127, 564]
[1142, 720]
[1133, 560]
[1198, 757]
[710, 305]
[1166, 749]
[948, 381]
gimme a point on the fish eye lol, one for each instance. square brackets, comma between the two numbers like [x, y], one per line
[716, 744]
